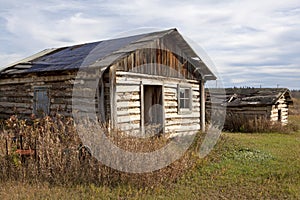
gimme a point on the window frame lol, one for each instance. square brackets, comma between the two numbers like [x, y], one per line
[184, 110]
[37, 89]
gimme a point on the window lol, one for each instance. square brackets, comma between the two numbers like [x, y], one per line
[41, 101]
[184, 99]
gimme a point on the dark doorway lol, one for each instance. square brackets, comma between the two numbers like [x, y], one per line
[279, 115]
[153, 109]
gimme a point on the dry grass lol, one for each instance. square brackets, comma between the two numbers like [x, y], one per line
[58, 162]
[237, 123]
[295, 108]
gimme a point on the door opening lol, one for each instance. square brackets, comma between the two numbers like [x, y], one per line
[153, 109]
[279, 115]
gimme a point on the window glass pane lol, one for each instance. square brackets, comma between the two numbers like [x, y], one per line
[182, 93]
[187, 93]
[186, 103]
[181, 103]
[184, 98]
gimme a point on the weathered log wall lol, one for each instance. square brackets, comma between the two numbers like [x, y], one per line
[129, 103]
[279, 111]
[16, 94]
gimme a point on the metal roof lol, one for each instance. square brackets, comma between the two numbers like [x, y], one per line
[236, 97]
[102, 54]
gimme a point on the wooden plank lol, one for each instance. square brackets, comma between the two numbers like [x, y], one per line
[142, 108]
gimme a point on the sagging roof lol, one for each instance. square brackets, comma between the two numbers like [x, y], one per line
[103, 54]
[235, 97]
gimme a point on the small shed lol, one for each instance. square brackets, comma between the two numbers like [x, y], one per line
[245, 104]
[148, 80]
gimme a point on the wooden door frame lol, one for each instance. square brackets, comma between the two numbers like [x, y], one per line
[142, 92]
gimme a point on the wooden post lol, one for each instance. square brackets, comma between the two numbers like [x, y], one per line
[142, 128]
[163, 108]
[202, 105]
[113, 100]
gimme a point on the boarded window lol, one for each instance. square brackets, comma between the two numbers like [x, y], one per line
[184, 99]
[41, 102]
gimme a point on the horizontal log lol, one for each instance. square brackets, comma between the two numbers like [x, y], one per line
[182, 121]
[128, 126]
[132, 74]
[179, 128]
[172, 116]
[128, 119]
[27, 100]
[133, 104]
[128, 112]
[127, 96]
[17, 105]
[34, 79]
[127, 88]
[11, 111]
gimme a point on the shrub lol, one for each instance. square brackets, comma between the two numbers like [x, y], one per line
[241, 123]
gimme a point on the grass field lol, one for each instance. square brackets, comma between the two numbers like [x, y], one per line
[244, 166]
[241, 166]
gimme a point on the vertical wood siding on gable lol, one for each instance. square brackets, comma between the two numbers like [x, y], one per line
[156, 62]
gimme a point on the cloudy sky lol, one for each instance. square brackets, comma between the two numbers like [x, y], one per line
[251, 43]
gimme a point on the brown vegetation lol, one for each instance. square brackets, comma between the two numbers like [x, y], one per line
[295, 108]
[56, 157]
[238, 123]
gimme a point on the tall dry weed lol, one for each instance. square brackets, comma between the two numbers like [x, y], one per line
[60, 157]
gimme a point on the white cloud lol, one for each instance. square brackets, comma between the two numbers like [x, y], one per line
[245, 39]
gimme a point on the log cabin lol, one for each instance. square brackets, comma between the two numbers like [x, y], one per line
[250, 104]
[132, 83]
